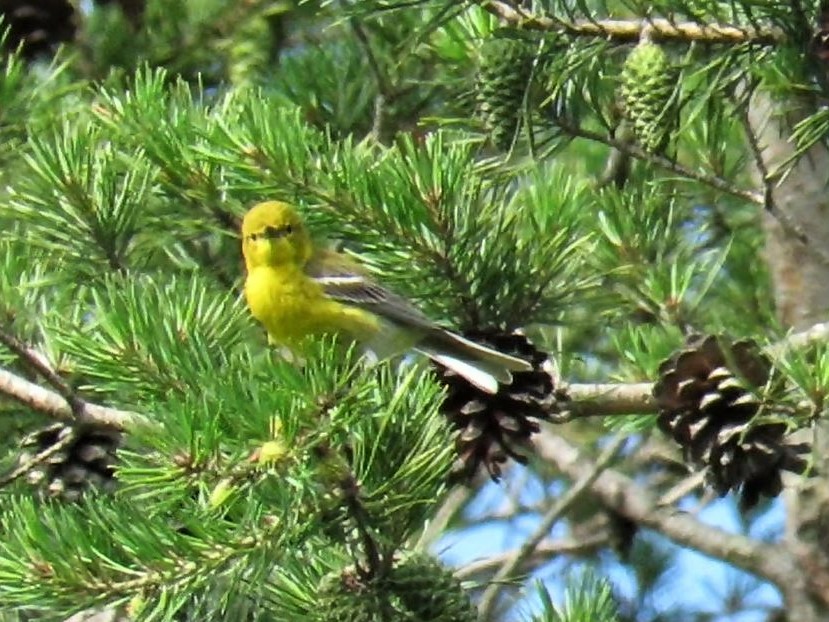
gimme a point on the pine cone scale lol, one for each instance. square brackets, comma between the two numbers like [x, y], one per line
[489, 429]
[708, 401]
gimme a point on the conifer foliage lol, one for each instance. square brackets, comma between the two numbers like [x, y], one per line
[582, 185]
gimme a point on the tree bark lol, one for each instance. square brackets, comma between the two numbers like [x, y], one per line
[796, 227]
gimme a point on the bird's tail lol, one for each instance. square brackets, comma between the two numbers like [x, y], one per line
[482, 366]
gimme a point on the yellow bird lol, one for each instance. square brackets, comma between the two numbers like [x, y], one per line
[296, 290]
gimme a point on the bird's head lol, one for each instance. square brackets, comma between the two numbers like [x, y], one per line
[273, 234]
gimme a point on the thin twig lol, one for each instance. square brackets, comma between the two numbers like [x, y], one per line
[757, 152]
[617, 167]
[384, 88]
[682, 488]
[451, 505]
[526, 550]
[630, 30]
[616, 171]
[718, 183]
[788, 224]
[546, 550]
[350, 489]
[27, 465]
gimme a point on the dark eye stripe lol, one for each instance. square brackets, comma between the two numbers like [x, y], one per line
[272, 232]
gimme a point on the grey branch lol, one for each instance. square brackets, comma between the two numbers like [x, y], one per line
[619, 492]
[818, 333]
[601, 400]
[546, 550]
[54, 405]
[631, 30]
[37, 362]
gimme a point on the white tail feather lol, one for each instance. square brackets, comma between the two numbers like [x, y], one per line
[474, 374]
[475, 351]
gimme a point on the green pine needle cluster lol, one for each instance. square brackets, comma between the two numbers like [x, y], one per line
[262, 488]
[588, 598]
[212, 511]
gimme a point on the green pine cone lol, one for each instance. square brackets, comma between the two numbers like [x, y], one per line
[503, 77]
[430, 591]
[648, 83]
[249, 51]
[344, 597]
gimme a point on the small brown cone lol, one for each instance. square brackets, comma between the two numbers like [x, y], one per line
[707, 398]
[820, 38]
[85, 463]
[622, 532]
[133, 9]
[38, 25]
[489, 429]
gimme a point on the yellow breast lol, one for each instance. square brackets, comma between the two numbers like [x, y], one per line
[284, 303]
[292, 306]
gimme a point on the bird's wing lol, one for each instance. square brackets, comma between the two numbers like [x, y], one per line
[345, 281]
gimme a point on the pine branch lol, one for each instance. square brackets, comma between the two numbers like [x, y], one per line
[601, 400]
[54, 405]
[528, 548]
[544, 552]
[385, 92]
[631, 30]
[584, 400]
[718, 183]
[38, 363]
[179, 570]
[619, 492]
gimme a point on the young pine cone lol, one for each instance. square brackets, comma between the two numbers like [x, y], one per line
[503, 79]
[648, 84]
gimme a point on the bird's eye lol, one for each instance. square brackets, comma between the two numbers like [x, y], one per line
[253, 237]
[289, 228]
